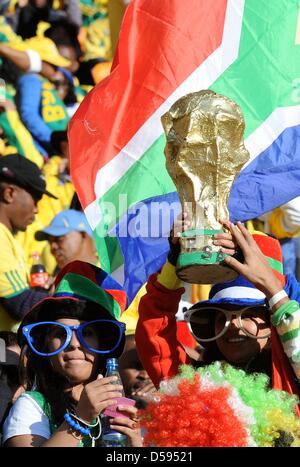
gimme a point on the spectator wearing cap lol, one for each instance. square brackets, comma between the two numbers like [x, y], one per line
[29, 55]
[22, 185]
[18, 139]
[70, 238]
[40, 107]
[64, 85]
[59, 48]
[58, 181]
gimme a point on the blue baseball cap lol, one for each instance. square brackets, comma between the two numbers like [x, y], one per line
[63, 223]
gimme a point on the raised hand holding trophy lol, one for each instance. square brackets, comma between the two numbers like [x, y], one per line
[204, 154]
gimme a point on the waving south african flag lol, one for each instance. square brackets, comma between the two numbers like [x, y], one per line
[248, 50]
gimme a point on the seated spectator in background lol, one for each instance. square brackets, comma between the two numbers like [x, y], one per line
[70, 238]
[34, 55]
[95, 43]
[58, 181]
[28, 16]
[41, 109]
[64, 85]
[136, 381]
[21, 186]
[60, 145]
[15, 134]
[65, 37]
[9, 374]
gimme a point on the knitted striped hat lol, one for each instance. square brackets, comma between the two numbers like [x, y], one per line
[88, 282]
[79, 280]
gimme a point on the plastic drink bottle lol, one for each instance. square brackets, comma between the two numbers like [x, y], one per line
[38, 274]
[111, 438]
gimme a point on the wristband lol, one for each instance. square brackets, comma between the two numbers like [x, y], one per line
[75, 425]
[277, 297]
[35, 61]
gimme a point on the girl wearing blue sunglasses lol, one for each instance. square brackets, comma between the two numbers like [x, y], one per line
[65, 345]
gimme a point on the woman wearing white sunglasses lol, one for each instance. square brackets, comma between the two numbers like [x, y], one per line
[236, 325]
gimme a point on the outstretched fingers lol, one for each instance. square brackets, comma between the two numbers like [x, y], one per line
[235, 264]
[241, 236]
[244, 240]
[247, 235]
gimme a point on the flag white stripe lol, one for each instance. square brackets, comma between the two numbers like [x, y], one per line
[270, 130]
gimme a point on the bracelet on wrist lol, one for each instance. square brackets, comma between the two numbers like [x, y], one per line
[277, 297]
[84, 422]
[75, 425]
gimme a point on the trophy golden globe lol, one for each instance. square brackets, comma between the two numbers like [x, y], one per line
[204, 154]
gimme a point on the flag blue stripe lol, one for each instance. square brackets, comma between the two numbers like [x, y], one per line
[272, 179]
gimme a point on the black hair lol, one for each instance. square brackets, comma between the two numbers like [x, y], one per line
[37, 373]
[9, 337]
[58, 137]
[71, 97]
[64, 33]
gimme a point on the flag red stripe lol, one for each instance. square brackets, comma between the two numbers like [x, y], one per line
[161, 43]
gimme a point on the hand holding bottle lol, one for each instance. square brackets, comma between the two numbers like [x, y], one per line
[128, 425]
[97, 396]
[122, 430]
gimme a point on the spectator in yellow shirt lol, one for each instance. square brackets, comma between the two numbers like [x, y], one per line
[58, 182]
[21, 186]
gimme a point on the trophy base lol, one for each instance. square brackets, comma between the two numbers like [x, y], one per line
[198, 268]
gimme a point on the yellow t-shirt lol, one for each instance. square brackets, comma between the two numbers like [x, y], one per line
[14, 275]
[47, 209]
[24, 138]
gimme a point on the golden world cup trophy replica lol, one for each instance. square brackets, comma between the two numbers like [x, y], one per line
[204, 154]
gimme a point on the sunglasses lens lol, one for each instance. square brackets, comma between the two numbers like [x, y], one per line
[202, 324]
[48, 338]
[101, 336]
[256, 322]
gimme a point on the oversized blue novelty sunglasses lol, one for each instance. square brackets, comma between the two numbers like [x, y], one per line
[48, 338]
